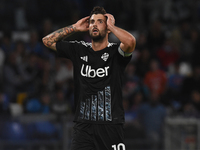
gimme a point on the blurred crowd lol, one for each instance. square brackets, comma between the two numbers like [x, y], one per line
[163, 77]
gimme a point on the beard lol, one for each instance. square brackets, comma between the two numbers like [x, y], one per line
[98, 37]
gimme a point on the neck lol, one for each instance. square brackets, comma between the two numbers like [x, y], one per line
[99, 45]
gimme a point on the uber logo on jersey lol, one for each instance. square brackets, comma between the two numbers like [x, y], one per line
[87, 71]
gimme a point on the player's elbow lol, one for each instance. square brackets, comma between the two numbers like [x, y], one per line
[131, 42]
[44, 40]
[49, 43]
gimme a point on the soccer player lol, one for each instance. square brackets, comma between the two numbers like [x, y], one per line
[98, 72]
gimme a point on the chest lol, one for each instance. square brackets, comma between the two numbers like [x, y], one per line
[94, 64]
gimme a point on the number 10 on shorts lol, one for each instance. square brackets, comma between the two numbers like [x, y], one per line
[120, 146]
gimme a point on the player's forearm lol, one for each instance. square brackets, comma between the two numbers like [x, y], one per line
[51, 39]
[125, 38]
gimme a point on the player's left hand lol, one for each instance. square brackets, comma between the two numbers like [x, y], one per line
[110, 21]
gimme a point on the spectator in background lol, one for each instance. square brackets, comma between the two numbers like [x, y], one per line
[151, 115]
[191, 108]
[191, 83]
[47, 28]
[34, 46]
[188, 110]
[136, 102]
[155, 79]
[20, 15]
[46, 103]
[185, 29]
[195, 99]
[32, 105]
[186, 49]
[13, 82]
[4, 104]
[174, 84]
[70, 93]
[20, 51]
[195, 45]
[167, 54]
[133, 129]
[176, 38]
[64, 72]
[7, 44]
[2, 61]
[132, 81]
[39, 104]
[48, 76]
[31, 74]
[141, 42]
[128, 113]
[156, 36]
[60, 105]
[142, 65]
[2, 58]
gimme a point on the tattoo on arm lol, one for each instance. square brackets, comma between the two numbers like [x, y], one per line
[58, 35]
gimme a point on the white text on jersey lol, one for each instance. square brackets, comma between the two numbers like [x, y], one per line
[87, 71]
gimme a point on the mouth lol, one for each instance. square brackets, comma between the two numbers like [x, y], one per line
[95, 30]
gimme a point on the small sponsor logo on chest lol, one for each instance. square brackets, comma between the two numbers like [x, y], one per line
[84, 58]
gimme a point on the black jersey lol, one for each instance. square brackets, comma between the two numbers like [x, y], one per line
[97, 79]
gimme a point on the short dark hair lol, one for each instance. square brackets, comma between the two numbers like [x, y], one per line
[98, 10]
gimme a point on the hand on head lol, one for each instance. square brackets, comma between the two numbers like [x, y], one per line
[110, 20]
[82, 24]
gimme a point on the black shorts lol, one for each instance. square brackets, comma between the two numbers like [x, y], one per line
[98, 137]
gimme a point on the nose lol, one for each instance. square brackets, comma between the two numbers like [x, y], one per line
[94, 25]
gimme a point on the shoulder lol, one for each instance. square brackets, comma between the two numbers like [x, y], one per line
[113, 45]
[75, 42]
[82, 43]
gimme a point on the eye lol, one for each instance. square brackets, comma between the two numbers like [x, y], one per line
[91, 21]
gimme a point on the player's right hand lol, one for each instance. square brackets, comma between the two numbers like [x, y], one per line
[83, 24]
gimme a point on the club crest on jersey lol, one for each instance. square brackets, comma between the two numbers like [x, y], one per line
[105, 56]
[85, 58]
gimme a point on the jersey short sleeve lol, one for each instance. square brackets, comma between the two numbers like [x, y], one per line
[123, 58]
[67, 49]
